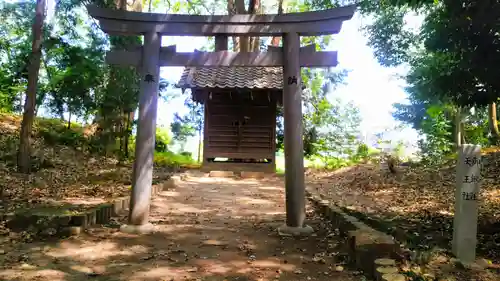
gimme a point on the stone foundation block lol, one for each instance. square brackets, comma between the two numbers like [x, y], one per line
[221, 174]
[252, 175]
[369, 249]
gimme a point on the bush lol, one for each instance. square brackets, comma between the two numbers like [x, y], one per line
[362, 153]
[9, 145]
[333, 163]
[55, 132]
[328, 162]
[162, 140]
[170, 159]
[187, 154]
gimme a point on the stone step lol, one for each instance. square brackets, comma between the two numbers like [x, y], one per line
[221, 174]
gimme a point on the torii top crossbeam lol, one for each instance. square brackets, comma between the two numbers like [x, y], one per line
[305, 24]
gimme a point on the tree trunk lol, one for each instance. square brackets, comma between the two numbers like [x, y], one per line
[127, 134]
[69, 121]
[275, 41]
[254, 7]
[231, 10]
[462, 133]
[117, 127]
[493, 121]
[121, 131]
[199, 145]
[458, 127]
[43, 61]
[241, 42]
[244, 43]
[121, 4]
[121, 134]
[24, 154]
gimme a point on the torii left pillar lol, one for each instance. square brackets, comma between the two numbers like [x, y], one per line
[142, 176]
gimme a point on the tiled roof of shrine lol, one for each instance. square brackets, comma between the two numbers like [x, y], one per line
[232, 77]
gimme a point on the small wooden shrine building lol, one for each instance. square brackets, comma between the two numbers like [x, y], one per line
[240, 105]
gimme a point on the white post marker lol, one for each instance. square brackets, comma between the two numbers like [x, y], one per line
[466, 204]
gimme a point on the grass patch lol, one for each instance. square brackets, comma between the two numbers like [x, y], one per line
[314, 163]
[56, 211]
[171, 159]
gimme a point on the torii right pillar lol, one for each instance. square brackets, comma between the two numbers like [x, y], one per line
[294, 148]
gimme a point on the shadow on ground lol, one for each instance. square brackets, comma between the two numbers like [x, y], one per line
[416, 205]
[427, 229]
[208, 229]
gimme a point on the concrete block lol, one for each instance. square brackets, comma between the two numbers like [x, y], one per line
[91, 218]
[367, 246]
[117, 207]
[221, 174]
[393, 277]
[252, 175]
[71, 230]
[79, 220]
[385, 262]
[380, 271]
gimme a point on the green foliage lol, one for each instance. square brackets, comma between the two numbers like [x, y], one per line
[15, 47]
[52, 131]
[162, 139]
[75, 80]
[67, 137]
[333, 163]
[477, 129]
[330, 126]
[335, 127]
[362, 153]
[170, 159]
[437, 142]
[452, 58]
[8, 146]
[181, 129]
[325, 133]
[467, 32]
[75, 74]
[186, 153]
[388, 38]
[63, 136]
[189, 124]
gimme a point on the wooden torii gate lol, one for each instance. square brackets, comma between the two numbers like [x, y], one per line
[151, 56]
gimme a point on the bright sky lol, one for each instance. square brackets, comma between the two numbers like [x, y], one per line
[371, 87]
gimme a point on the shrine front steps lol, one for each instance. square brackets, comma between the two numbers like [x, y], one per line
[64, 224]
[242, 174]
[267, 168]
[221, 174]
[373, 252]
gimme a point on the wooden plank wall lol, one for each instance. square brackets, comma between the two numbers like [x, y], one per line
[253, 139]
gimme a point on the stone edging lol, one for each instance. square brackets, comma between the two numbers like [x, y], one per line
[69, 225]
[373, 252]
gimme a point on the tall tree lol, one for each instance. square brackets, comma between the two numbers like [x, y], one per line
[15, 47]
[453, 53]
[189, 124]
[493, 121]
[24, 153]
[244, 43]
[181, 129]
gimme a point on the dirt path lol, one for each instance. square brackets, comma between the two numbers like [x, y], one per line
[208, 229]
